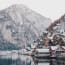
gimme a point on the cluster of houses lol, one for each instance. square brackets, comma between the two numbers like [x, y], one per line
[53, 40]
[50, 47]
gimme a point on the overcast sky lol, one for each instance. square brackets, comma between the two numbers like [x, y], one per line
[52, 9]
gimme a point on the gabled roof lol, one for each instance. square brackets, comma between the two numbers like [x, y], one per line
[60, 48]
[53, 47]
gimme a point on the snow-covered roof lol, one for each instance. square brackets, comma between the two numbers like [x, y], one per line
[60, 48]
[54, 47]
[63, 47]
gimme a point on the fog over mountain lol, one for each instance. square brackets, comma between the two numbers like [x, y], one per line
[20, 26]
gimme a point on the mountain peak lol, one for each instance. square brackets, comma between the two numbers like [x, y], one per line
[17, 6]
[20, 25]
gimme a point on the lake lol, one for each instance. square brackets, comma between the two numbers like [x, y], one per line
[28, 60]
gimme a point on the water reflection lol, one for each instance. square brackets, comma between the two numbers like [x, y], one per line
[28, 60]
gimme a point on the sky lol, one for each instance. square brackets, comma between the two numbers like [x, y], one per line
[52, 9]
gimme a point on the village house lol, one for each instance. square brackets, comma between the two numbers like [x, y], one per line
[58, 51]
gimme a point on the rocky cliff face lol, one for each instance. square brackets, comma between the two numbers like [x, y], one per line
[21, 26]
[58, 26]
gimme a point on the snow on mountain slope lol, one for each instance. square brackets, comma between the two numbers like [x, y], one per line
[58, 26]
[21, 26]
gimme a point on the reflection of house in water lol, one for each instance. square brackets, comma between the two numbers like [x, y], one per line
[57, 62]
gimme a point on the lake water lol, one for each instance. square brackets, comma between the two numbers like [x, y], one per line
[28, 60]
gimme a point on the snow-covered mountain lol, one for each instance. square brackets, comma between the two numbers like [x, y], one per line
[58, 26]
[21, 26]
